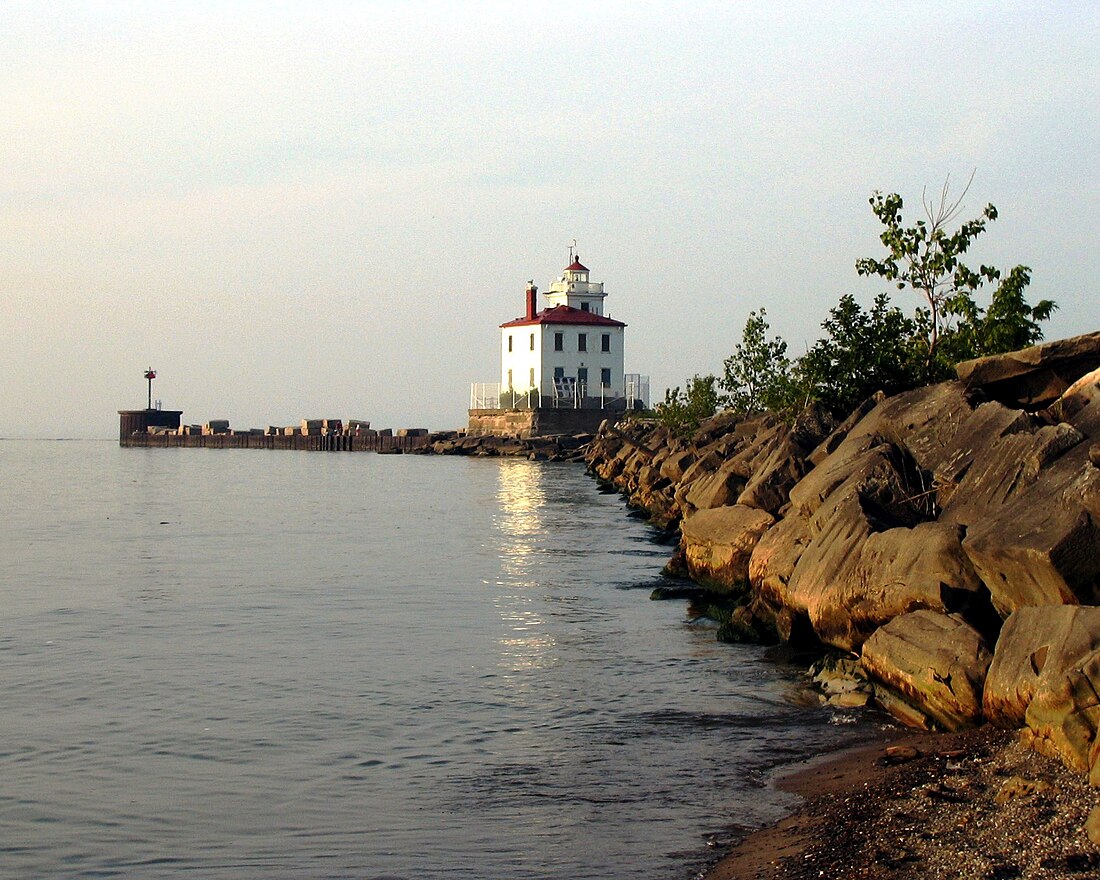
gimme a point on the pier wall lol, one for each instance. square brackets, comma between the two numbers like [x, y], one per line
[309, 443]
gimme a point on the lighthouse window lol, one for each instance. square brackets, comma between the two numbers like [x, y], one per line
[532, 342]
[559, 342]
[582, 342]
[605, 342]
[531, 384]
[509, 379]
[605, 377]
[509, 342]
[584, 307]
[559, 372]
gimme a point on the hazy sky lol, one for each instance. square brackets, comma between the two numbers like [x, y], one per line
[309, 210]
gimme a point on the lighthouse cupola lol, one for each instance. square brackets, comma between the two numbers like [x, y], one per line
[573, 289]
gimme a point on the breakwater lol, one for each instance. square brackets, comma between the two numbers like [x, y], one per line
[562, 447]
[375, 442]
[944, 543]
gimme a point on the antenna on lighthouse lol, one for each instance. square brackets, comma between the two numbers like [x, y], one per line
[572, 248]
[150, 375]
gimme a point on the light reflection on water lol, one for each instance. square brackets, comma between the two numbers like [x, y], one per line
[521, 501]
[293, 665]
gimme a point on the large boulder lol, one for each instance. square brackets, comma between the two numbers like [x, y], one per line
[851, 580]
[774, 475]
[1037, 645]
[719, 488]
[674, 465]
[1063, 716]
[717, 544]
[870, 552]
[1035, 376]
[774, 559]
[934, 663]
[1040, 546]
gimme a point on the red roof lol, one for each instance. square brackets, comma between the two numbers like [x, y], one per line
[565, 315]
[576, 266]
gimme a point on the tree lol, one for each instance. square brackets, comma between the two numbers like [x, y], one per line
[682, 411]
[1010, 323]
[927, 258]
[862, 352]
[758, 374]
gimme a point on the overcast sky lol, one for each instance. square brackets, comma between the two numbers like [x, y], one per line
[299, 210]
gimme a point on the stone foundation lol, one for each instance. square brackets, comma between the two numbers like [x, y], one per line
[524, 423]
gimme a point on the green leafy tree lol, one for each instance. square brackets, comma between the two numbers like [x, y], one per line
[758, 375]
[1008, 324]
[682, 411]
[862, 352]
[927, 258]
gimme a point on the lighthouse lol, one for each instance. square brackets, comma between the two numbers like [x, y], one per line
[562, 366]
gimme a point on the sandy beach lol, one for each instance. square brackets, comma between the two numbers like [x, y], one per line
[971, 805]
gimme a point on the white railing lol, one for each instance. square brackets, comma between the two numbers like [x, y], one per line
[636, 390]
[565, 393]
[485, 395]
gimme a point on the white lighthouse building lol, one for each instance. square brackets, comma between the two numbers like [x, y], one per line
[566, 356]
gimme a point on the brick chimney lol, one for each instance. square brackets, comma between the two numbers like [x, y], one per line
[532, 300]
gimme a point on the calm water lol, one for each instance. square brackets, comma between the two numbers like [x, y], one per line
[245, 664]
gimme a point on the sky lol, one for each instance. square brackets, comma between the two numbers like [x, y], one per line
[315, 210]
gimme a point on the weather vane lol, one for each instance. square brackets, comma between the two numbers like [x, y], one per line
[572, 248]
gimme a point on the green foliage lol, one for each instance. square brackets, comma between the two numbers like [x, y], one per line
[1010, 322]
[862, 352]
[758, 375]
[927, 258]
[682, 411]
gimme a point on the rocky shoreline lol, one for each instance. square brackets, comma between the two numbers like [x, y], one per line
[562, 447]
[940, 549]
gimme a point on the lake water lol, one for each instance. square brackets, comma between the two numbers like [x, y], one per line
[247, 664]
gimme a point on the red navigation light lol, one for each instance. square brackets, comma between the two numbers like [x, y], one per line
[150, 374]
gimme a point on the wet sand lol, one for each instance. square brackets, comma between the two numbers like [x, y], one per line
[970, 805]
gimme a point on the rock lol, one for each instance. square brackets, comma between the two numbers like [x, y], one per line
[718, 489]
[935, 662]
[901, 754]
[1036, 644]
[985, 460]
[850, 579]
[813, 425]
[829, 444]
[718, 543]
[903, 711]
[673, 467]
[751, 451]
[717, 426]
[703, 465]
[842, 681]
[773, 560]
[849, 700]
[884, 475]
[955, 498]
[743, 627]
[774, 476]
[1017, 787]
[1092, 826]
[1040, 545]
[1063, 716]
[1036, 375]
